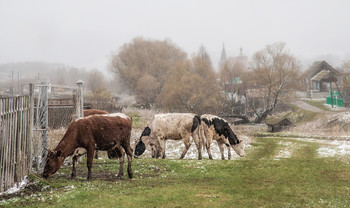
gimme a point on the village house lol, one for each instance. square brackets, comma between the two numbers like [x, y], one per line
[320, 79]
[278, 124]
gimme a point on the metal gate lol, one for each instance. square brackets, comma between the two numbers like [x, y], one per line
[41, 120]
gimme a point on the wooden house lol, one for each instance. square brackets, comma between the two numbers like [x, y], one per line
[278, 124]
[320, 78]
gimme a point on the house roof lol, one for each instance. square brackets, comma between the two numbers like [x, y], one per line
[320, 75]
[275, 121]
[319, 70]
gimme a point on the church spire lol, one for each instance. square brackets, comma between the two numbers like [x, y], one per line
[223, 54]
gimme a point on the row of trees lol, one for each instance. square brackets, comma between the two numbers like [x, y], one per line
[159, 74]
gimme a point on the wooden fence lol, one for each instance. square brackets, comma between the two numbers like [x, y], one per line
[23, 139]
[16, 120]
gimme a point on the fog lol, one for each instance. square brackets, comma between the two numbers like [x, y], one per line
[85, 33]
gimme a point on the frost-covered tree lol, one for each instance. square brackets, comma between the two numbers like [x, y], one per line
[275, 72]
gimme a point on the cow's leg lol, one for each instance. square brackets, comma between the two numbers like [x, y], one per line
[229, 152]
[96, 154]
[186, 140]
[209, 137]
[128, 152]
[202, 136]
[220, 144]
[90, 158]
[198, 143]
[120, 154]
[162, 146]
[74, 161]
[154, 151]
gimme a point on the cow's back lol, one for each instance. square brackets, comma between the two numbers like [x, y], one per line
[172, 124]
[105, 130]
[90, 112]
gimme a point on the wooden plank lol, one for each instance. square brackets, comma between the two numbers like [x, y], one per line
[7, 144]
[30, 123]
[2, 146]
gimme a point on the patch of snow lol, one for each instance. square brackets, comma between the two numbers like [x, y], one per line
[286, 149]
[70, 187]
[338, 148]
[18, 186]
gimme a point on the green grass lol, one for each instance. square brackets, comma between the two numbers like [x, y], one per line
[299, 116]
[318, 104]
[257, 180]
[137, 121]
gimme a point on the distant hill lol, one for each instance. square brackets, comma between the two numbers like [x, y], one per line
[27, 70]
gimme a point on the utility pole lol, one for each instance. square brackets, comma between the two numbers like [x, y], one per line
[19, 84]
[12, 84]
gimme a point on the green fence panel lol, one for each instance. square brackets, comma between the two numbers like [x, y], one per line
[340, 102]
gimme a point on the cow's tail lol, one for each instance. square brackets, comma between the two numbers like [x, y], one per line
[196, 123]
[202, 137]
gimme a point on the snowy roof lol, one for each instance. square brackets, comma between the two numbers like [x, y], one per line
[317, 67]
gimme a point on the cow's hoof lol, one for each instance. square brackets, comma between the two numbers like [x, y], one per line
[130, 175]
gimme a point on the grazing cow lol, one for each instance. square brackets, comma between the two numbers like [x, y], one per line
[97, 132]
[214, 127]
[90, 112]
[174, 126]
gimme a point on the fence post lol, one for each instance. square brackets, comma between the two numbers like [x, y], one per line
[2, 143]
[79, 108]
[30, 128]
[42, 126]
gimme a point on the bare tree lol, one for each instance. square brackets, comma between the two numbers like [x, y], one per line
[140, 57]
[95, 80]
[275, 72]
[147, 90]
[192, 86]
[234, 79]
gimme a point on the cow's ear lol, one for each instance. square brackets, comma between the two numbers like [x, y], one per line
[59, 153]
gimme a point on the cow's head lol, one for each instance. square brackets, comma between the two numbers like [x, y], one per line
[144, 140]
[222, 128]
[54, 161]
[236, 143]
[239, 148]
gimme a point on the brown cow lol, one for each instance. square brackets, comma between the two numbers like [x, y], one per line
[97, 132]
[90, 112]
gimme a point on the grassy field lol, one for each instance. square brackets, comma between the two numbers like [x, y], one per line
[318, 104]
[266, 177]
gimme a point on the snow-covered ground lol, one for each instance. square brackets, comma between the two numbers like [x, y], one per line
[18, 186]
[335, 148]
[174, 150]
[328, 148]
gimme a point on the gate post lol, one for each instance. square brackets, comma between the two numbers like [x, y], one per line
[79, 107]
[42, 126]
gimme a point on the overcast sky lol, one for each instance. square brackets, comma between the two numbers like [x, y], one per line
[85, 33]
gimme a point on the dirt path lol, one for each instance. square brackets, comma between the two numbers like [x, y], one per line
[306, 106]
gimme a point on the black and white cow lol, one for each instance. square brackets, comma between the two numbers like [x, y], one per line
[174, 126]
[216, 128]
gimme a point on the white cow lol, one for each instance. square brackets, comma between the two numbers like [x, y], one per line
[216, 128]
[174, 126]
